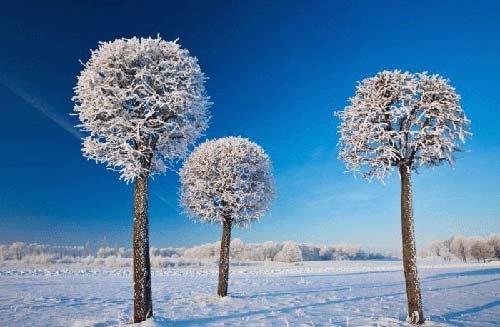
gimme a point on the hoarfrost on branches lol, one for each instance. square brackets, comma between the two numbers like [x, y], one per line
[460, 247]
[398, 118]
[480, 248]
[494, 242]
[143, 102]
[227, 178]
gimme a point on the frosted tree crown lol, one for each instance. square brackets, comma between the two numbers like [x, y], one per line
[227, 179]
[143, 101]
[398, 118]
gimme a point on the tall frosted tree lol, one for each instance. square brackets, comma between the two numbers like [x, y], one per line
[143, 103]
[403, 121]
[227, 181]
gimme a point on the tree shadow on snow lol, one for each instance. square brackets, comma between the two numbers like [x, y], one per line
[292, 292]
[435, 289]
[476, 272]
[342, 274]
[207, 320]
[360, 286]
[457, 315]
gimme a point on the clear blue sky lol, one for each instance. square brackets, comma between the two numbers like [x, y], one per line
[278, 69]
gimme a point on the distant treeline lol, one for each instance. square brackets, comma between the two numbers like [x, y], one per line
[477, 248]
[118, 256]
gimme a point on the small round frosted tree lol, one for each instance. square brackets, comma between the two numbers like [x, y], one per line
[227, 181]
[143, 103]
[402, 121]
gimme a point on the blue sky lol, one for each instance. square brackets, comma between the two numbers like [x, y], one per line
[278, 69]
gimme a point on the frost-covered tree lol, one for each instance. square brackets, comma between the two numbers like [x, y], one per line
[402, 121]
[445, 254]
[290, 252]
[143, 103]
[268, 251]
[436, 247]
[460, 247]
[227, 181]
[480, 249]
[494, 242]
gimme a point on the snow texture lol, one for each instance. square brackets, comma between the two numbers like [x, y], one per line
[227, 178]
[333, 293]
[398, 118]
[143, 102]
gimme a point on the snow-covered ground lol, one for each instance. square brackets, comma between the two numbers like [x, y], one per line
[330, 293]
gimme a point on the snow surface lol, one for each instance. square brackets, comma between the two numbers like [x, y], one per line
[328, 293]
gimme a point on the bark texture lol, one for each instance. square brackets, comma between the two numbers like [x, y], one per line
[224, 258]
[143, 305]
[415, 311]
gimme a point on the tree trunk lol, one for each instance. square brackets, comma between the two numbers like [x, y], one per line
[415, 311]
[143, 305]
[224, 258]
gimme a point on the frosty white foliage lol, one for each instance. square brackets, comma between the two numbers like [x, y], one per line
[227, 179]
[436, 247]
[464, 247]
[240, 251]
[480, 248]
[460, 247]
[398, 118]
[290, 252]
[494, 242]
[21, 250]
[143, 101]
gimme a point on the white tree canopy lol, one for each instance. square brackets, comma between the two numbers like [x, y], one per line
[227, 179]
[398, 118]
[290, 252]
[143, 101]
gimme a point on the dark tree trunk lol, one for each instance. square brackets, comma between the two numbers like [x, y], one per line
[143, 305]
[415, 311]
[224, 258]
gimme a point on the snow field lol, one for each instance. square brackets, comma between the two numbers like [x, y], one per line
[332, 293]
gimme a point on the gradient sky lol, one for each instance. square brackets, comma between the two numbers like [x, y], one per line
[278, 69]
